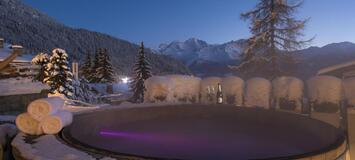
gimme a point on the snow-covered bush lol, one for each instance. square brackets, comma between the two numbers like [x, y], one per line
[233, 90]
[257, 93]
[159, 89]
[208, 90]
[325, 93]
[83, 92]
[349, 89]
[186, 89]
[288, 93]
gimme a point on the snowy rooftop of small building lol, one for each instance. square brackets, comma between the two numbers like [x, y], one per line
[336, 67]
[6, 51]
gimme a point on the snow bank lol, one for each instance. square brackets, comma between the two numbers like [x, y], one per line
[325, 93]
[349, 89]
[159, 89]
[16, 86]
[47, 147]
[233, 89]
[7, 131]
[186, 88]
[290, 89]
[257, 93]
[208, 90]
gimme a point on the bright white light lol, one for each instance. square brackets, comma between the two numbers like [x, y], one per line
[125, 79]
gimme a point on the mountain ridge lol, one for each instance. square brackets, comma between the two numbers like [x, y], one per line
[37, 32]
[312, 58]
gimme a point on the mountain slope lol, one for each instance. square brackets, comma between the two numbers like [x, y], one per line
[38, 32]
[315, 58]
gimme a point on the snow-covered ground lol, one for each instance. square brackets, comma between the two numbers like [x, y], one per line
[16, 86]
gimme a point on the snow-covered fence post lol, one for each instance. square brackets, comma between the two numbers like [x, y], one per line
[75, 69]
[2, 41]
[159, 89]
[187, 88]
[325, 93]
[233, 90]
[349, 88]
[257, 93]
[288, 93]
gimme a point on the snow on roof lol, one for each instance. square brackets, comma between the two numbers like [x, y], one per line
[335, 67]
[6, 51]
[16, 47]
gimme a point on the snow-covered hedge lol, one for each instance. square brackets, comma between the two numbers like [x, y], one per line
[233, 89]
[349, 88]
[288, 92]
[325, 93]
[257, 93]
[186, 88]
[159, 89]
[208, 90]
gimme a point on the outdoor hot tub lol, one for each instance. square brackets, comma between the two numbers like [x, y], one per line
[203, 132]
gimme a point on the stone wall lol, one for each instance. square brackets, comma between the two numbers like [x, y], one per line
[18, 103]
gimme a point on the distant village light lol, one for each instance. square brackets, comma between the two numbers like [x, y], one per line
[125, 79]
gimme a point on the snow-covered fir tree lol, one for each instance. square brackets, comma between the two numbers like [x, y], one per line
[59, 76]
[94, 78]
[40, 59]
[86, 68]
[275, 32]
[104, 73]
[142, 72]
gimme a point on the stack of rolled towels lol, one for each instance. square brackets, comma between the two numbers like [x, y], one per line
[44, 116]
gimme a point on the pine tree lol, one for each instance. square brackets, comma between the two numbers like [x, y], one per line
[94, 78]
[275, 32]
[40, 59]
[142, 72]
[59, 76]
[104, 72]
[86, 68]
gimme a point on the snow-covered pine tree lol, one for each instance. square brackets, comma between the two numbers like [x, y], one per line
[142, 72]
[86, 68]
[275, 32]
[59, 75]
[104, 73]
[95, 78]
[40, 59]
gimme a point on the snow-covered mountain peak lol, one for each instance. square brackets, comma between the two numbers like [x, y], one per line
[194, 49]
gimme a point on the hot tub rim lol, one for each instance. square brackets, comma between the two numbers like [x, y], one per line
[64, 136]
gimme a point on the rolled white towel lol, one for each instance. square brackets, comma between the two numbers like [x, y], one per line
[41, 108]
[54, 123]
[28, 125]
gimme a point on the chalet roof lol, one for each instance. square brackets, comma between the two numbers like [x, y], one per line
[339, 68]
[6, 51]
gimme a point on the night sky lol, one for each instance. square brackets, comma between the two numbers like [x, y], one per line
[215, 21]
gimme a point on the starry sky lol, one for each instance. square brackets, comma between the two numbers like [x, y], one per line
[214, 21]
